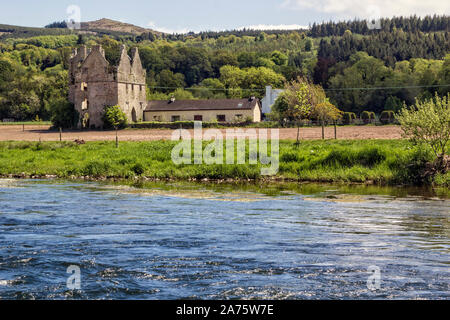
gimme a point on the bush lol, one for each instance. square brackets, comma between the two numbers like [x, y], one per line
[63, 114]
[387, 117]
[428, 123]
[138, 169]
[348, 117]
[367, 117]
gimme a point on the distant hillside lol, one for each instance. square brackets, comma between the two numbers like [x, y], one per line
[99, 27]
[115, 26]
[8, 31]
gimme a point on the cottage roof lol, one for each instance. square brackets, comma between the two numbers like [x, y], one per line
[198, 105]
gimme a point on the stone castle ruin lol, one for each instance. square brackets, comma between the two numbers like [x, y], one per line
[95, 84]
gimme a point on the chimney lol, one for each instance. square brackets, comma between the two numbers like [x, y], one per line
[99, 49]
[172, 100]
[269, 94]
[82, 52]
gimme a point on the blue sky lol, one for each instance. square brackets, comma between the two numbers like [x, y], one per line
[198, 15]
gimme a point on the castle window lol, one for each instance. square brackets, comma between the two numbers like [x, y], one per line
[83, 86]
[85, 104]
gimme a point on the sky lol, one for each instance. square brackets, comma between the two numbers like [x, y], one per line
[180, 16]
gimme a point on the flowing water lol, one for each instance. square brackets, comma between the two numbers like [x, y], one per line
[222, 242]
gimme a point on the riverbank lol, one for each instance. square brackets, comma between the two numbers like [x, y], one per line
[383, 162]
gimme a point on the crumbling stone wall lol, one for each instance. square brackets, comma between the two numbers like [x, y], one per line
[95, 84]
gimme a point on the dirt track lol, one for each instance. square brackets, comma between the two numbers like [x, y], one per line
[36, 133]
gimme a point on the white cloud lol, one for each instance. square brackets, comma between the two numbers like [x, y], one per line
[152, 25]
[274, 27]
[370, 8]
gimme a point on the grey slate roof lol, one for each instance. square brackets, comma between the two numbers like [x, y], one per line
[199, 105]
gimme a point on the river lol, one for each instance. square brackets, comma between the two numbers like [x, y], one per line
[184, 241]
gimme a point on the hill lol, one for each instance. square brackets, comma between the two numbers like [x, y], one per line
[98, 27]
[115, 26]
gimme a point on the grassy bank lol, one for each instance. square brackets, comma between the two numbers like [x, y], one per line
[27, 123]
[386, 162]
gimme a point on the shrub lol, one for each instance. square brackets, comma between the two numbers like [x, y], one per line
[138, 169]
[367, 117]
[114, 117]
[387, 117]
[428, 122]
[63, 114]
[411, 168]
[349, 117]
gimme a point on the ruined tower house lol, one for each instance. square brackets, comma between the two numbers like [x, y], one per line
[95, 84]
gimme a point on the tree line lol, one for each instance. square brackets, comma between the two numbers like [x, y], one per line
[412, 64]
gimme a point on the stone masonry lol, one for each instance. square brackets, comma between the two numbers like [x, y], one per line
[95, 84]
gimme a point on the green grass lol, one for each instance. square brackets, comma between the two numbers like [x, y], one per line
[33, 123]
[387, 162]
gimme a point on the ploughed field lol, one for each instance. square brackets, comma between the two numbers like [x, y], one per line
[36, 133]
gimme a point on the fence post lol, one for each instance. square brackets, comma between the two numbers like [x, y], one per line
[60, 134]
[335, 130]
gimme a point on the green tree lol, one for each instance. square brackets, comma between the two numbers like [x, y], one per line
[428, 123]
[280, 59]
[114, 117]
[324, 112]
[181, 94]
[168, 81]
[63, 114]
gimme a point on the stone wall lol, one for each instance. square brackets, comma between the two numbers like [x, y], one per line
[95, 84]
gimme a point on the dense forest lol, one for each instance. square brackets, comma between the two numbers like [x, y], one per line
[360, 69]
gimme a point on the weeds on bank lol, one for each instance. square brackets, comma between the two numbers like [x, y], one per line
[361, 161]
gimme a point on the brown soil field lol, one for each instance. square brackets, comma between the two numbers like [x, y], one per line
[42, 133]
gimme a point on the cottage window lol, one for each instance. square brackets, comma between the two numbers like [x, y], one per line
[221, 118]
[157, 118]
[198, 118]
[176, 118]
[239, 116]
